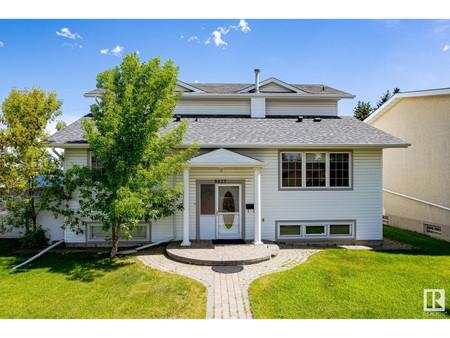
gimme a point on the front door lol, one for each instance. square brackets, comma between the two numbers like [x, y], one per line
[228, 211]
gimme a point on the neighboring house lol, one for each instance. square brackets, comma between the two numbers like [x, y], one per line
[276, 163]
[416, 180]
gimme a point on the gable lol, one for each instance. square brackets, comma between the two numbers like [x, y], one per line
[273, 87]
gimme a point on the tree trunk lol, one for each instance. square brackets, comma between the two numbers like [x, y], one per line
[33, 213]
[115, 238]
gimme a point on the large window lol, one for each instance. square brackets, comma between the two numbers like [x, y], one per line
[315, 170]
[310, 230]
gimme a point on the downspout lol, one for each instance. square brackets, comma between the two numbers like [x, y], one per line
[38, 255]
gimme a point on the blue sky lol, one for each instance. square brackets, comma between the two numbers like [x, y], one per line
[362, 57]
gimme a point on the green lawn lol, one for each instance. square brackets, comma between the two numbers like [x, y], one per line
[338, 283]
[89, 285]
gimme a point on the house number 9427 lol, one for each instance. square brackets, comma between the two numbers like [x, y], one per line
[220, 181]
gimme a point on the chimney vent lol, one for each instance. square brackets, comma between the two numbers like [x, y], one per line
[317, 119]
[257, 80]
[300, 118]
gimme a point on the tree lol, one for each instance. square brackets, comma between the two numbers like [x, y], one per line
[386, 96]
[362, 110]
[125, 136]
[30, 177]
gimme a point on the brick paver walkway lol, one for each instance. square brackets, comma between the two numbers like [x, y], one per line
[227, 293]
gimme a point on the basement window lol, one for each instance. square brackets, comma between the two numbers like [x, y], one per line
[310, 230]
[433, 229]
[140, 233]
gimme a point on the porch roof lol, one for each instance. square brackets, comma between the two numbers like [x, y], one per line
[225, 158]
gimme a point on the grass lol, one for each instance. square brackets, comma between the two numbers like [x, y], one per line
[75, 284]
[338, 283]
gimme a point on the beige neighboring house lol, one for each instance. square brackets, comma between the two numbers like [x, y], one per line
[416, 180]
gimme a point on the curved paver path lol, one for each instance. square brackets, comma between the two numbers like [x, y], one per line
[227, 294]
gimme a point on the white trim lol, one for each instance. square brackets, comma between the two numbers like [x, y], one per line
[417, 199]
[397, 97]
[185, 85]
[257, 197]
[261, 146]
[186, 208]
[272, 80]
[296, 96]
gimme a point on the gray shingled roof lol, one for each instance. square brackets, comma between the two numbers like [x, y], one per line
[230, 88]
[234, 88]
[238, 131]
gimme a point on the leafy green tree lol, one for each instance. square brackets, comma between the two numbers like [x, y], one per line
[30, 177]
[362, 110]
[128, 135]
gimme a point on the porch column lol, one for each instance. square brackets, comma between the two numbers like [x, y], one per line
[186, 208]
[257, 185]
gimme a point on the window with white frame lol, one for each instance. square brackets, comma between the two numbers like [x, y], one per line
[140, 233]
[310, 230]
[309, 170]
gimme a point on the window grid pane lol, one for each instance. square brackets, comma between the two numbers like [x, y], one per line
[315, 170]
[339, 170]
[291, 169]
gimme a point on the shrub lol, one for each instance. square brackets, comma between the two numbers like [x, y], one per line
[34, 238]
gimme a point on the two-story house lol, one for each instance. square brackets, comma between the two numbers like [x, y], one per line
[277, 163]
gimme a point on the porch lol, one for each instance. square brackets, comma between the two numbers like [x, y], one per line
[212, 254]
[222, 198]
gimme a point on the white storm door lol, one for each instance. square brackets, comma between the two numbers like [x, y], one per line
[228, 211]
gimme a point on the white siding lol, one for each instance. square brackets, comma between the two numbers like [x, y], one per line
[234, 107]
[258, 107]
[323, 108]
[363, 203]
[78, 157]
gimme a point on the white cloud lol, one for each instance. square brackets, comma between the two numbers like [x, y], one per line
[208, 41]
[447, 47]
[182, 37]
[217, 36]
[66, 33]
[80, 46]
[1, 44]
[104, 51]
[196, 81]
[117, 51]
[243, 25]
[193, 38]
[138, 52]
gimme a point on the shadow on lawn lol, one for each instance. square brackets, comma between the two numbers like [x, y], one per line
[76, 265]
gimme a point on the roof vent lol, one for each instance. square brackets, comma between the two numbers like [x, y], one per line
[317, 119]
[257, 80]
[300, 118]
[177, 118]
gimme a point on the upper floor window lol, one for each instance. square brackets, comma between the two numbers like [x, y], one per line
[309, 169]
